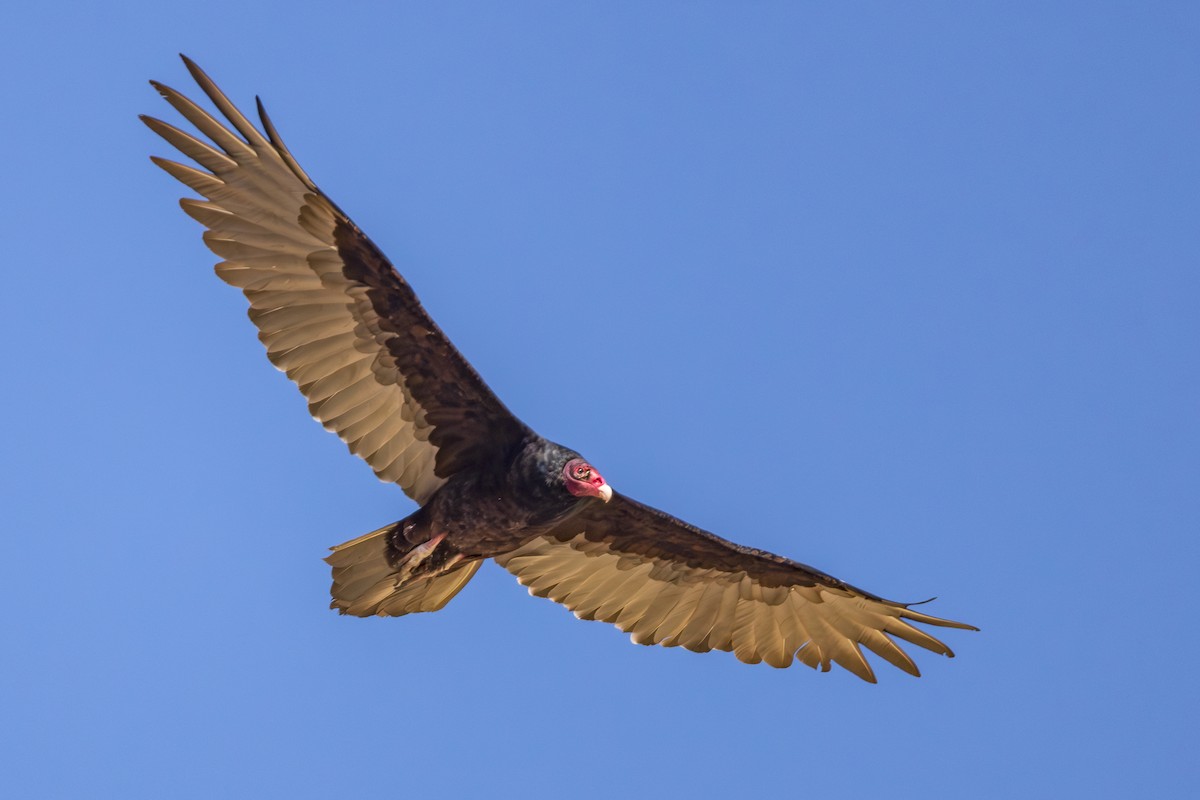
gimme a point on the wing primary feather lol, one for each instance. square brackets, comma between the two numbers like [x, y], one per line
[265, 233]
[886, 649]
[928, 619]
[202, 153]
[204, 183]
[225, 106]
[280, 147]
[916, 636]
[204, 122]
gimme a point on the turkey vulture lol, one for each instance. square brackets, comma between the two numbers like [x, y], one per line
[376, 370]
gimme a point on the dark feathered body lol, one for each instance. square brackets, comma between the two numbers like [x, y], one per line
[484, 513]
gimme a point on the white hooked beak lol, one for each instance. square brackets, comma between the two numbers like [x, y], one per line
[605, 492]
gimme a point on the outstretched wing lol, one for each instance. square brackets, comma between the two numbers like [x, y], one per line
[670, 583]
[332, 311]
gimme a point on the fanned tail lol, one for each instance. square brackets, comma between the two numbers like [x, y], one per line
[372, 577]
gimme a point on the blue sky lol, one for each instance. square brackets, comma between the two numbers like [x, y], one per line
[907, 292]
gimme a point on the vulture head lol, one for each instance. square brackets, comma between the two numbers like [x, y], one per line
[554, 482]
[582, 480]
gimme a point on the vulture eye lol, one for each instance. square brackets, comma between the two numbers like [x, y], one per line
[582, 473]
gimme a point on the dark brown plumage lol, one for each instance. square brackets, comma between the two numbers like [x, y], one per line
[346, 327]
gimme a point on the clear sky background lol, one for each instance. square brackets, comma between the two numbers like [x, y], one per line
[909, 292]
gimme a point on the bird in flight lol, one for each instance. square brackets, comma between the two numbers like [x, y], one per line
[337, 317]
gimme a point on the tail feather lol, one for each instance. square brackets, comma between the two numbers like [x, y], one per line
[365, 582]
